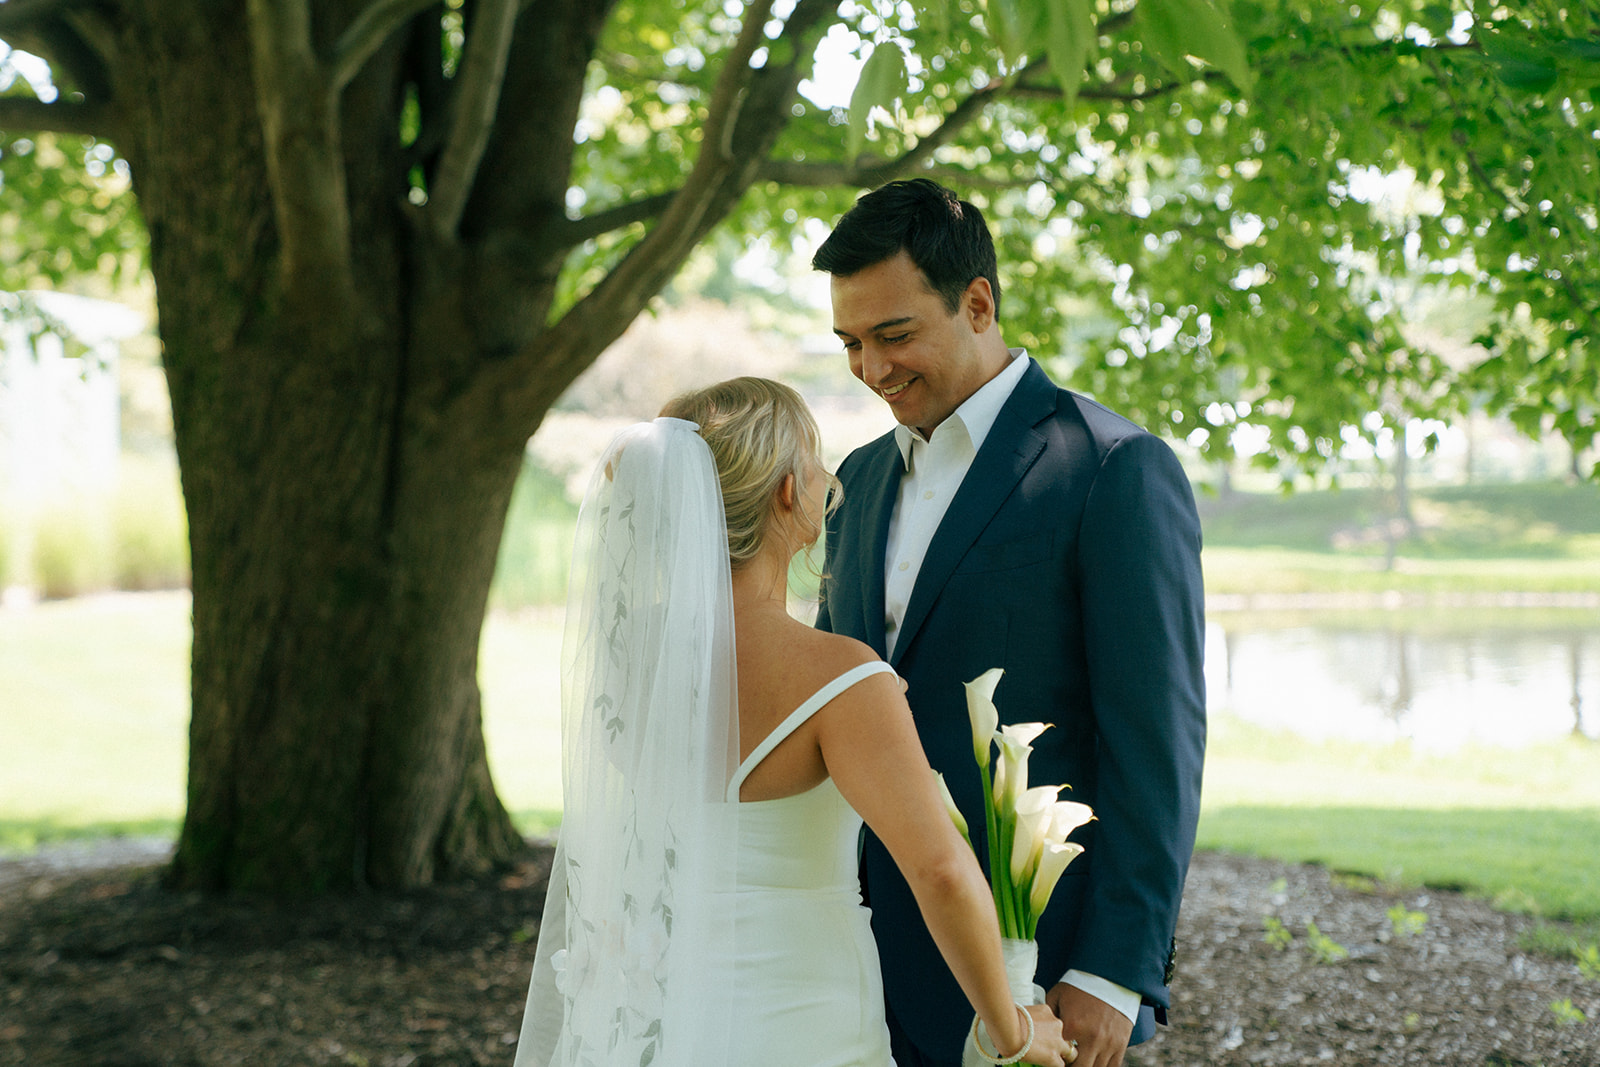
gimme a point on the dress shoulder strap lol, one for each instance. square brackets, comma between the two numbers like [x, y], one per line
[814, 704]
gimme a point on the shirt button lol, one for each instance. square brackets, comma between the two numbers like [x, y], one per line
[903, 565]
[928, 494]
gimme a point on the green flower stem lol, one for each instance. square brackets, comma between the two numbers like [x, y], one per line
[991, 822]
[1000, 875]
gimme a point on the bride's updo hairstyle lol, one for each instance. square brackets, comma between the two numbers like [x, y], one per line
[760, 432]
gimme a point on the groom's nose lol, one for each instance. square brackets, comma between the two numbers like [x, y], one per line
[873, 365]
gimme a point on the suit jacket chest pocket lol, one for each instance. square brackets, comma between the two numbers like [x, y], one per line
[1007, 555]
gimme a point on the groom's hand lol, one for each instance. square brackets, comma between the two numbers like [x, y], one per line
[1101, 1031]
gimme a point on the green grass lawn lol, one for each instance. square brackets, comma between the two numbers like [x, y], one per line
[1526, 538]
[94, 714]
[1521, 826]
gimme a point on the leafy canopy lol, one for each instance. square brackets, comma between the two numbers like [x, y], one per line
[1209, 213]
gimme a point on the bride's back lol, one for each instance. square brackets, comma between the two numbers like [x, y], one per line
[782, 663]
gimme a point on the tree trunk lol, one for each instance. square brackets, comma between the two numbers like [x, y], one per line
[344, 523]
[353, 384]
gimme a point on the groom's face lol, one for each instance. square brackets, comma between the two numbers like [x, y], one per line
[905, 345]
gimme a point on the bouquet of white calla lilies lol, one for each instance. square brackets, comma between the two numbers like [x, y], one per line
[1027, 828]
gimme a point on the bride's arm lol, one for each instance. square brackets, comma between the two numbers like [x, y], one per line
[873, 754]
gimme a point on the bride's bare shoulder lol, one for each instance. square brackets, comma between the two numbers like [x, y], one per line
[833, 654]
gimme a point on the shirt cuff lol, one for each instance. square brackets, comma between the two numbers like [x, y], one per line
[1123, 999]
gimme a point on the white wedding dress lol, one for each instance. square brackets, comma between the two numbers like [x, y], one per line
[808, 991]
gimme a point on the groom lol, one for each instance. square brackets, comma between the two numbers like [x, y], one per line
[1008, 523]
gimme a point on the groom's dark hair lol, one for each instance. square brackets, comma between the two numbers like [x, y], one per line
[945, 236]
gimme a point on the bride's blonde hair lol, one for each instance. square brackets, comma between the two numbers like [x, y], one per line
[760, 432]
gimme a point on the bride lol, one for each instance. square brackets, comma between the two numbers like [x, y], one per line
[719, 759]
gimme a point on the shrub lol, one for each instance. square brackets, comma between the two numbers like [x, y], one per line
[150, 528]
[72, 548]
[536, 549]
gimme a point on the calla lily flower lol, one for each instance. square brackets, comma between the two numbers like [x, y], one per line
[1011, 774]
[1034, 814]
[1052, 862]
[1025, 732]
[950, 806]
[1065, 817]
[982, 713]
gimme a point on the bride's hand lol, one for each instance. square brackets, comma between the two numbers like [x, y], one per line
[1050, 1046]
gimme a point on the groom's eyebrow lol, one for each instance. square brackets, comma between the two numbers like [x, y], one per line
[884, 325]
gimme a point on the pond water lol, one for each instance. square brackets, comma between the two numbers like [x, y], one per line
[1440, 678]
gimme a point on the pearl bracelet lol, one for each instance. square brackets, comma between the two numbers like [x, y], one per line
[996, 1058]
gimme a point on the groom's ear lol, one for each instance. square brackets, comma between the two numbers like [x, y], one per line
[978, 304]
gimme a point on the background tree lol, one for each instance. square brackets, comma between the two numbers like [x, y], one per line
[387, 234]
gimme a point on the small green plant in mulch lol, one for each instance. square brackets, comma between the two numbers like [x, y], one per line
[1324, 949]
[1588, 957]
[1567, 1013]
[1355, 883]
[1277, 935]
[1405, 922]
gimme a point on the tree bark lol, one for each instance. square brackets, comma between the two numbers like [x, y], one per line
[343, 532]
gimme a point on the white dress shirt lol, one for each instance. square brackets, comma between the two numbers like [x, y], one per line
[935, 469]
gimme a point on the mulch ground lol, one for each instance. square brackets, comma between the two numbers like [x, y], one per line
[100, 966]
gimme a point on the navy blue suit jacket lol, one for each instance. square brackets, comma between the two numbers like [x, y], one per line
[1070, 556]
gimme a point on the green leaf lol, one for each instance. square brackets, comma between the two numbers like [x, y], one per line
[1172, 29]
[1438, 19]
[883, 79]
[1070, 37]
[934, 14]
[1007, 24]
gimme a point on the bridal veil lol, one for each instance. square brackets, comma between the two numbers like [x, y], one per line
[637, 930]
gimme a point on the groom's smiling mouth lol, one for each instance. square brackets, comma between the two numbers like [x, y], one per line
[889, 392]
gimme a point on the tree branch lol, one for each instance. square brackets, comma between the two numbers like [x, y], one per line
[66, 34]
[749, 109]
[299, 124]
[367, 33]
[19, 14]
[871, 172]
[67, 49]
[615, 218]
[19, 114]
[483, 70]
[722, 114]
[679, 225]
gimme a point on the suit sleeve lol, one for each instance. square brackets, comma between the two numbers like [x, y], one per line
[833, 525]
[1144, 631]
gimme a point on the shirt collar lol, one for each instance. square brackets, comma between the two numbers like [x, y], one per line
[978, 412]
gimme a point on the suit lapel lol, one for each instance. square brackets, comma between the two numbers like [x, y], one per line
[1008, 452]
[881, 478]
